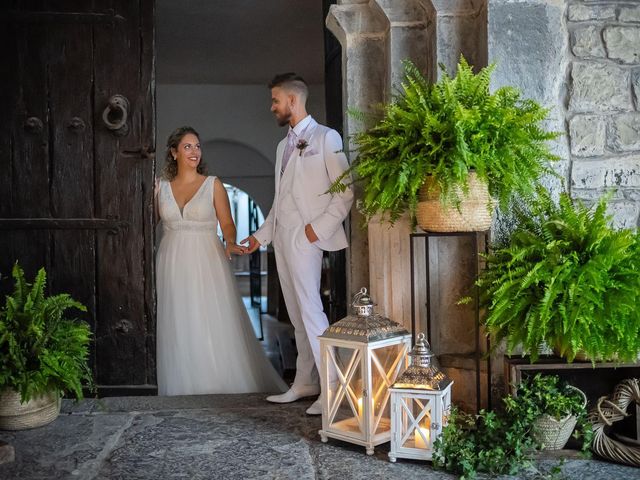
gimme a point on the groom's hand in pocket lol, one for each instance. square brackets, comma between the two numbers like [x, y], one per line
[254, 244]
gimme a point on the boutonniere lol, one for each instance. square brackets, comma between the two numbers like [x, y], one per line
[301, 145]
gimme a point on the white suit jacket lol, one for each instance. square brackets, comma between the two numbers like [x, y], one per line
[315, 168]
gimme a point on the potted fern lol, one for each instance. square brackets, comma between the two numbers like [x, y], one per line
[450, 142]
[563, 277]
[43, 354]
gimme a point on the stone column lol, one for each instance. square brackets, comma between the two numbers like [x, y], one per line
[537, 66]
[461, 28]
[528, 42]
[376, 35]
[362, 31]
[412, 38]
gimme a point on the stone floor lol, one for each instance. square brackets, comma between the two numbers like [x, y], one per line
[214, 437]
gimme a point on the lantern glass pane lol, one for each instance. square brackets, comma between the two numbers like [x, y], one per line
[345, 393]
[386, 364]
[416, 422]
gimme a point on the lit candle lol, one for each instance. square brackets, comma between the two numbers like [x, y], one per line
[419, 441]
[359, 406]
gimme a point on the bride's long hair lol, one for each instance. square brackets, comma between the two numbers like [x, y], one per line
[170, 169]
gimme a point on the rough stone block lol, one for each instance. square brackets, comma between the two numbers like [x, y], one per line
[629, 14]
[613, 172]
[623, 43]
[625, 133]
[7, 453]
[581, 13]
[633, 195]
[624, 214]
[598, 87]
[592, 196]
[588, 135]
[586, 42]
[635, 82]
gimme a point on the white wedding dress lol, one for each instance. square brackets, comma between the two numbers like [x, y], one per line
[206, 343]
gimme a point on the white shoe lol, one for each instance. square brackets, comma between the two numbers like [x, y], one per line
[295, 393]
[315, 408]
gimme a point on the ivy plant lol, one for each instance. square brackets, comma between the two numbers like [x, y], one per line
[501, 442]
[566, 278]
[41, 350]
[446, 129]
[546, 394]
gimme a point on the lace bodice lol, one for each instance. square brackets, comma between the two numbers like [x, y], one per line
[197, 214]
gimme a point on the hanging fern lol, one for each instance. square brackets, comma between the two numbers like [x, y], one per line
[446, 129]
[567, 279]
[40, 349]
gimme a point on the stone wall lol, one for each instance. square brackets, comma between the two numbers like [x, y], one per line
[581, 58]
[603, 117]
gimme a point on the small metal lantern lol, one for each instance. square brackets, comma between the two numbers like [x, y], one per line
[361, 356]
[420, 406]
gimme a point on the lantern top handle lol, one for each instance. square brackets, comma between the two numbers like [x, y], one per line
[362, 303]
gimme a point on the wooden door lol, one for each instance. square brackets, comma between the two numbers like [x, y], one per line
[76, 148]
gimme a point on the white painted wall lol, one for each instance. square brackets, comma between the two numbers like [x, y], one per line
[235, 123]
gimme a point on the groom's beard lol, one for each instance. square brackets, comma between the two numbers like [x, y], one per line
[284, 119]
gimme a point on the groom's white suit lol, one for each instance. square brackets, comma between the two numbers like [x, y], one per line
[301, 199]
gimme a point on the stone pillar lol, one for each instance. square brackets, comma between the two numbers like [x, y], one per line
[362, 31]
[411, 37]
[461, 28]
[376, 35]
[538, 67]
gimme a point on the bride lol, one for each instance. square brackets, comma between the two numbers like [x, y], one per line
[206, 343]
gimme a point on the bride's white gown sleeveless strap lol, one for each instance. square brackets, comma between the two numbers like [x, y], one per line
[206, 343]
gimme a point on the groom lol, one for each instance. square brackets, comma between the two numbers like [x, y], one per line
[303, 222]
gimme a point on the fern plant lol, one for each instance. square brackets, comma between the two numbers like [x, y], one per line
[446, 129]
[40, 349]
[565, 278]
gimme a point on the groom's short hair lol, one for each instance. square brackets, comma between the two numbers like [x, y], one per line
[292, 82]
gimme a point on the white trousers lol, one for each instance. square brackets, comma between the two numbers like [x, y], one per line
[299, 269]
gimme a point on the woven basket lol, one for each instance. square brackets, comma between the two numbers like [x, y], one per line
[36, 412]
[553, 434]
[474, 214]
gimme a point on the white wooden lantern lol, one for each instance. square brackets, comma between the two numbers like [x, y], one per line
[361, 357]
[420, 406]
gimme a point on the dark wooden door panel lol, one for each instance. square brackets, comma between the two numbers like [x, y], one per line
[78, 195]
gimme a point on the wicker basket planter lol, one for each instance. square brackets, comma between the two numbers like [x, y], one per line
[474, 214]
[553, 434]
[36, 412]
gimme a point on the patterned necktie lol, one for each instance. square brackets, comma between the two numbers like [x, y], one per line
[288, 150]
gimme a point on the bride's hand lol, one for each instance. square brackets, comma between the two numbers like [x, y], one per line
[235, 249]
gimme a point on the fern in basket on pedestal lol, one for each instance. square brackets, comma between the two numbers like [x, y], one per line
[446, 130]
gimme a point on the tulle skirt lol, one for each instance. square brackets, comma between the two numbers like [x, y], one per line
[205, 342]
